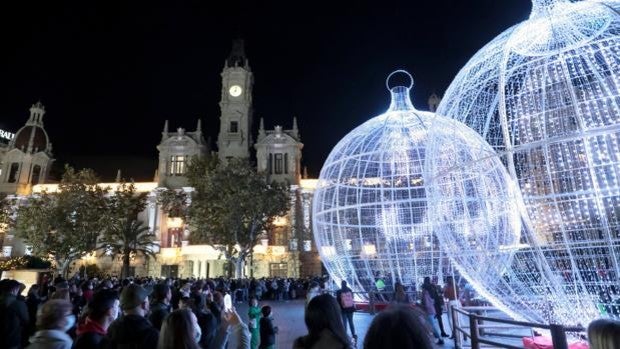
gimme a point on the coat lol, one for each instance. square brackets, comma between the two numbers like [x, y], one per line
[132, 331]
[50, 339]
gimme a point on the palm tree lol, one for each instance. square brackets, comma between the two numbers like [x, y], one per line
[128, 237]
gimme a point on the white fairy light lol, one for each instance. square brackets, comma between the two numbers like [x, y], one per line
[546, 95]
[371, 208]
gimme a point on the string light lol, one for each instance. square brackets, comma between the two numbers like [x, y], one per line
[371, 207]
[545, 94]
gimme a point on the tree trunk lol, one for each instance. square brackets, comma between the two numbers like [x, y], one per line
[125, 272]
[239, 264]
[63, 267]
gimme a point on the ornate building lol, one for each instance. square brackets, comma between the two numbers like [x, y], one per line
[278, 155]
[287, 250]
[28, 157]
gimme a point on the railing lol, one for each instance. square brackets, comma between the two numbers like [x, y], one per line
[478, 323]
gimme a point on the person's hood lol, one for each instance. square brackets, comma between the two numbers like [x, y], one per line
[52, 339]
[124, 329]
[90, 326]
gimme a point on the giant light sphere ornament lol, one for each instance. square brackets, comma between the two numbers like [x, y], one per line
[370, 208]
[545, 94]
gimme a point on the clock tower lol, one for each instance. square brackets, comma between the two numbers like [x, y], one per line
[234, 139]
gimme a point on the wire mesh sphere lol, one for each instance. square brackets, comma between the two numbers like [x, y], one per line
[545, 95]
[370, 207]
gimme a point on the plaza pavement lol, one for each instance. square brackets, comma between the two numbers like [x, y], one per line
[289, 317]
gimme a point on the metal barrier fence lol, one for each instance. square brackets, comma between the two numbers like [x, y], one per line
[478, 323]
[477, 327]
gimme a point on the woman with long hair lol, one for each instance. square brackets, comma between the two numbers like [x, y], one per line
[324, 323]
[179, 330]
[604, 334]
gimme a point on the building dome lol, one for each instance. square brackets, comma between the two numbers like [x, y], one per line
[546, 95]
[38, 135]
[371, 206]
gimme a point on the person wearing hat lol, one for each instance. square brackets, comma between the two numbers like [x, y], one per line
[160, 308]
[133, 330]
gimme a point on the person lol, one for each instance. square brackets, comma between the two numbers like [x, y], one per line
[180, 330]
[206, 320]
[267, 329]
[398, 326]
[344, 296]
[160, 307]
[313, 291]
[53, 321]
[133, 329]
[428, 304]
[439, 304]
[380, 286]
[14, 319]
[33, 301]
[254, 314]
[102, 310]
[450, 292]
[604, 334]
[325, 327]
[400, 296]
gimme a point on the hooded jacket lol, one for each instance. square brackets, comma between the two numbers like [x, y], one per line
[90, 335]
[132, 332]
[50, 339]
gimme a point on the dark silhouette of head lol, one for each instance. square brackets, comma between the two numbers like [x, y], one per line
[397, 327]
[323, 312]
[177, 331]
[343, 284]
[604, 334]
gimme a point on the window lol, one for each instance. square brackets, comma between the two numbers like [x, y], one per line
[36, 174]
[234, 127]
[285, 163]
[270, 164]
[177, 165]
[278, 163]
[278, 270]
[13, 172]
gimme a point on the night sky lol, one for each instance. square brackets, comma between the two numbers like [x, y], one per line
[109, 73]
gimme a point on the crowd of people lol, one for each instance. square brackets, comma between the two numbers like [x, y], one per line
[169, 313]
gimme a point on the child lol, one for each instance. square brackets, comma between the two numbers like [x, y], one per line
[254, 313]
[267, 329]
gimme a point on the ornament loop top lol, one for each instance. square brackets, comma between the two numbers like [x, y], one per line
[387, 80]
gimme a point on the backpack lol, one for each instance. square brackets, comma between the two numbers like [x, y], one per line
[346, 300]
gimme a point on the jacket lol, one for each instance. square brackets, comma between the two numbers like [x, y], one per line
[339, 295]
[90, 335]
[13, 320]
[267, 332]
[50, 339]
[159, 311]
[132, 332]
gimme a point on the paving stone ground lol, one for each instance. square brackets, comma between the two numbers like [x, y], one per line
[289, 317]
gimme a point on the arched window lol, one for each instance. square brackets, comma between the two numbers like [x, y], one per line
[13, 172]
[36, 174]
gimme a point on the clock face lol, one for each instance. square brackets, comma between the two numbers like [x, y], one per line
[235, 90]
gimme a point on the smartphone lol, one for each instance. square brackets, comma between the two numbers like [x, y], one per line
[227, 302]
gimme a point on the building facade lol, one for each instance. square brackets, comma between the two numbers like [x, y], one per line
[288, 250]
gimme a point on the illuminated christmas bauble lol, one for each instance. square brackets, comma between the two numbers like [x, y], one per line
[546, 95]
[370, 207]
